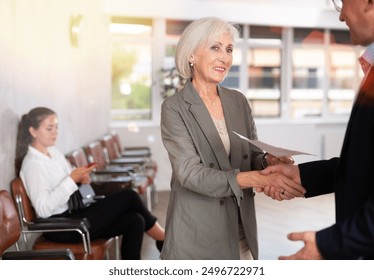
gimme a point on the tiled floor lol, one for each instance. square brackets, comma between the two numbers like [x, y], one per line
[275, 219]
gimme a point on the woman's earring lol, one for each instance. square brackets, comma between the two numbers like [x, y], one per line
[192, 64]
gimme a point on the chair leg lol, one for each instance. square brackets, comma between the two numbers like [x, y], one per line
[117, 244]
[107, 255]
[148, 197]
[154, 195]
[17, 246]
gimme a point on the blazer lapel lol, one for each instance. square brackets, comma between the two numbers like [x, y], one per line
[230, 110]
[204, 120]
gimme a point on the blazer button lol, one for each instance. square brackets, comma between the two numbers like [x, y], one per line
[245, 156]
[253, 194]
[221, 202]
[211, 165]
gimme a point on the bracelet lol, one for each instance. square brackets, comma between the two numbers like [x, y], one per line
[264, 162]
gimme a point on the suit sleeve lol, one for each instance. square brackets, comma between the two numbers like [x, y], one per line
[318, 177]
[351, 239]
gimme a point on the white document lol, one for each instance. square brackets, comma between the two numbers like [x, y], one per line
[275, 151]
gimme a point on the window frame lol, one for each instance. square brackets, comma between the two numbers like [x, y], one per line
[159, 27]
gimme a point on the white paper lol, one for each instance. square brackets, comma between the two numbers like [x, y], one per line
[275, 151]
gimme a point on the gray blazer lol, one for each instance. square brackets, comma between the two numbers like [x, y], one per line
[206, 201]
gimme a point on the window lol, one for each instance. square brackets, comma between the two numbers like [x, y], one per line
[131, 42]
[264, 70]
[325, 73]
[288, 73]
[343, 79]
[174, 29]
[170, 78]
[308, 70]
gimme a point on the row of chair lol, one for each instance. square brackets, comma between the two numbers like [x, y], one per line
[116, 168]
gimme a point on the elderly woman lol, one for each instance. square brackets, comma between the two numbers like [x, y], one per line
[211, 213]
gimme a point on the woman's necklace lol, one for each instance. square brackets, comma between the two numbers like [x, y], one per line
[212, 101]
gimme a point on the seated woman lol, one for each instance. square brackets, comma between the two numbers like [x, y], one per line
[50, 181]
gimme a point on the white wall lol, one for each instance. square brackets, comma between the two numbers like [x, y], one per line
[40, 67]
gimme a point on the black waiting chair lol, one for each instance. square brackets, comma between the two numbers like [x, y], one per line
[10, 232]
[87, 249]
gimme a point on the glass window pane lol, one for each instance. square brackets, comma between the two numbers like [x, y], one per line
[308, 36]
[342, 73]
[131, 70]
[308, 70]
[169, 61]
[170, 80]
[264, 81]
[341, 37]
[265, 35]
[265, 32]
[174, 28]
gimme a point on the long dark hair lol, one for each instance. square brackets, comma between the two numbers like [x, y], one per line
[24, 138]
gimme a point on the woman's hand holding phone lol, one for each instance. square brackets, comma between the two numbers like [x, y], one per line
[82, 174]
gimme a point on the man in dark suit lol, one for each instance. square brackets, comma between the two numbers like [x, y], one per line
[351, 176]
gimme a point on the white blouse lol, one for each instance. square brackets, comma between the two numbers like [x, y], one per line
[222, 131]
[47, 181]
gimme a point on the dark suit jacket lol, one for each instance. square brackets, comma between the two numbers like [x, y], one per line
[351, 177]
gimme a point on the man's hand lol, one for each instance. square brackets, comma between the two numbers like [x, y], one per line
[309, 251]
[291, 171]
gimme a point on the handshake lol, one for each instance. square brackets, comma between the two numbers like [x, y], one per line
[280, 180]
[286, 184]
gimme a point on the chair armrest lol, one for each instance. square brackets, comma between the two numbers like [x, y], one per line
[65, 254]
[119, 178]
[117, 169]
[129, 160]
[63, 226]
[137, 148]
[56, 220]
[136, 153]
[112, 172]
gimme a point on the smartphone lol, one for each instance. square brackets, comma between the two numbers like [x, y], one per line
[91, 164]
